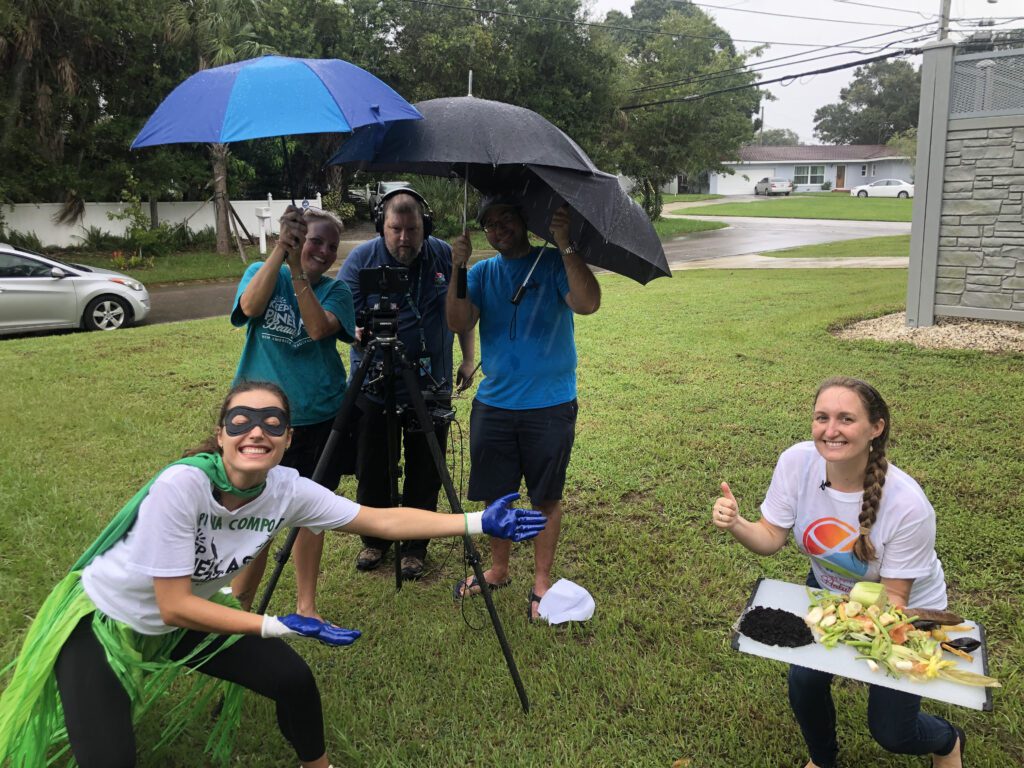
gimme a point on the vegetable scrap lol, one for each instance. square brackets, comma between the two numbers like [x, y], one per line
[772, 626]
[890, 638]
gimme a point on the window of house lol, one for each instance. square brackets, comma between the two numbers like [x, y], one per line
[809, 174]
[863, 170]
[873, 169]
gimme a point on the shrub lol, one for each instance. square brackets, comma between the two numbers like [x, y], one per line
[334, 203]
[27, 240]
[445, 197]
[98, 239]
[826, 186]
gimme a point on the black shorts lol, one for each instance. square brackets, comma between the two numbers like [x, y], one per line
[308, 442]
[506, 446]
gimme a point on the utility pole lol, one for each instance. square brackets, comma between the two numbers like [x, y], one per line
[944, 19]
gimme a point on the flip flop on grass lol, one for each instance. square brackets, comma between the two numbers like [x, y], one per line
[463, 588]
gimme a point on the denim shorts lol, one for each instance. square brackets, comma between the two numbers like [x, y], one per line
[506, 446]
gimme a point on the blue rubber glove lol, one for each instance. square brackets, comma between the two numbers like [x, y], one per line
[309, 627]
[503, 521]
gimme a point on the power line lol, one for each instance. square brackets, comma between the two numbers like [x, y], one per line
[887, 8]
[697, 96]
[789, 16]
[758, 68]
[596, 25]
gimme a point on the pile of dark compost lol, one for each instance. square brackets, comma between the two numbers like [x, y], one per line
[772, 626]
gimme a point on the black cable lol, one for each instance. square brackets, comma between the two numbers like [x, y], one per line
[886, 8]
[697, 96]
[791, 16]
[577, 23]
[719, 74]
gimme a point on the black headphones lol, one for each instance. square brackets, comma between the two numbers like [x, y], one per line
[428, 216]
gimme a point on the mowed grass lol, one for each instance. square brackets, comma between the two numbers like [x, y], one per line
[815, 207]
[689, 198]
[895, 245]
[683, 383]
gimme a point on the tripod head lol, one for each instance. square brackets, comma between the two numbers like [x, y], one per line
[381, 320]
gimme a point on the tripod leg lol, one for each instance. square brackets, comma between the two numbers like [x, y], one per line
[342, 420]
[394, 430]
[472, 556]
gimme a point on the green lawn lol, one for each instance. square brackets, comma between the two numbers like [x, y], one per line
[683, 383]
[815, 207]
[673, 227]
[895, 245]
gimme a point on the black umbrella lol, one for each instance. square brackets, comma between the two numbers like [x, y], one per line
[500, 147]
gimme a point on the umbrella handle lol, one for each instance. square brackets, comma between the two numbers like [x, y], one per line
[288, 169]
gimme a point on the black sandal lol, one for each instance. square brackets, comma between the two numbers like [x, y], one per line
[534, 598]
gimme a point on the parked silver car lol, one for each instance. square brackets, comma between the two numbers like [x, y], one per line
[773, 185]
[39, 293]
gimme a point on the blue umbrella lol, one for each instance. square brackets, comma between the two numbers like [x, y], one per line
[245, 100]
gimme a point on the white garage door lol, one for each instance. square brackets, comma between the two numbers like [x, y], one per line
[721, 184]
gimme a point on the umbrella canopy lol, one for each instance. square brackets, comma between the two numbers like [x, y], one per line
[246, 100]
[500, 147]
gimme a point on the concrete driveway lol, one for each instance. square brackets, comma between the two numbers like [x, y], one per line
[755, 235]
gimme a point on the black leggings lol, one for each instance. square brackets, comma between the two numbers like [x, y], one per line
[97, 709]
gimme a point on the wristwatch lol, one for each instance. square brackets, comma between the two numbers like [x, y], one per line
[570, 250]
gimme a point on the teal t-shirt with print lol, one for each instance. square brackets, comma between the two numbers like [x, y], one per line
[278, 348]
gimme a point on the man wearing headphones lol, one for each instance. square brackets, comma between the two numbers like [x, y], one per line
[403, 220]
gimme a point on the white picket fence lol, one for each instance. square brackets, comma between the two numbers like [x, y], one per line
[40, 219]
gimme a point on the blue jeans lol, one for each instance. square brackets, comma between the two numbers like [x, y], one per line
[895, 718]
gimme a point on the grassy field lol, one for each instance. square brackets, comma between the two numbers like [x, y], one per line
[667, 228]
[896, 245]
[691, 380]
[815, 207]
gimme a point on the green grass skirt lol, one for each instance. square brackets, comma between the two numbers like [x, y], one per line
[32, 731]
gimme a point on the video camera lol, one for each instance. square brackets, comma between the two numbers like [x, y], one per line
[381, 320]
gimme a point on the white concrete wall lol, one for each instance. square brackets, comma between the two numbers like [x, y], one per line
[39, 218]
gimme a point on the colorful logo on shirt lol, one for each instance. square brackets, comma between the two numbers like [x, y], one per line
[830, 541]
[439, 280]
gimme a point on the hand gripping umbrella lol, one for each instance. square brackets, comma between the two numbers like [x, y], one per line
[273, 96]
[500, 147]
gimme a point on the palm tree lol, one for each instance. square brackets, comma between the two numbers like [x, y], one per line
[217, 32]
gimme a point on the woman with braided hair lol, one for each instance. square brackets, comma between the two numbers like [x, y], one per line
[858, 518]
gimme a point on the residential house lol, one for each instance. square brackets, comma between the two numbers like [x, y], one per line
[811, 168]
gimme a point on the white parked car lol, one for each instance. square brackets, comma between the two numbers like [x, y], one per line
[38, 293]
[884, 188]
[773, 186]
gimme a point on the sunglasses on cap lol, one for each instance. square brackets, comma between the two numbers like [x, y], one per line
[241, 420]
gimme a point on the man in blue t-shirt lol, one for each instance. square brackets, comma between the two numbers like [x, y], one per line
[524, 414]
[403, 220]
[294, 317]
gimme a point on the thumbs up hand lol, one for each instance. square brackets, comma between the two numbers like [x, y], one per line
[725, 511]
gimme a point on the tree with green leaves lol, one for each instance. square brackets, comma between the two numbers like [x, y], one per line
[904, 144]
[674, 123]
[215, 32]
[777, 137]
[882, 100]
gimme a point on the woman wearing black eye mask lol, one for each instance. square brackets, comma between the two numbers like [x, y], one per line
[147, 597]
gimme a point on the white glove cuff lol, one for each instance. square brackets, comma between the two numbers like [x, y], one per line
[272, 627]
[474, 523]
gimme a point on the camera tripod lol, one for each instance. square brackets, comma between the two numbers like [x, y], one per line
[390, 351]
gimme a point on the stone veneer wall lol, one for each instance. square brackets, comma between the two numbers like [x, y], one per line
[981, 231]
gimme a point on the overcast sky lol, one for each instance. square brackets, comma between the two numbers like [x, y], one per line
[797, 100]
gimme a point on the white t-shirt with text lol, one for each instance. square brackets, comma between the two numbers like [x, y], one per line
[182, 530]
[826, 524]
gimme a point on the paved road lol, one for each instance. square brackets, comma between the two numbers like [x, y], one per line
[757, 235]
[743, 237]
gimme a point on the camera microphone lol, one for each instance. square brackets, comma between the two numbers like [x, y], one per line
[460, 281]
[825, 484]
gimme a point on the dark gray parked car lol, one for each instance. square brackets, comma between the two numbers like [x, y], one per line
[39, 293]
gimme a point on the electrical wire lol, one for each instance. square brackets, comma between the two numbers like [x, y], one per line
[698, 96]
[597, 25]
[789, 16]
[758, 68]
[888, 8]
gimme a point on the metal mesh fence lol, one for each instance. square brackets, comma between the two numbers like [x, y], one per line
[988, 84]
